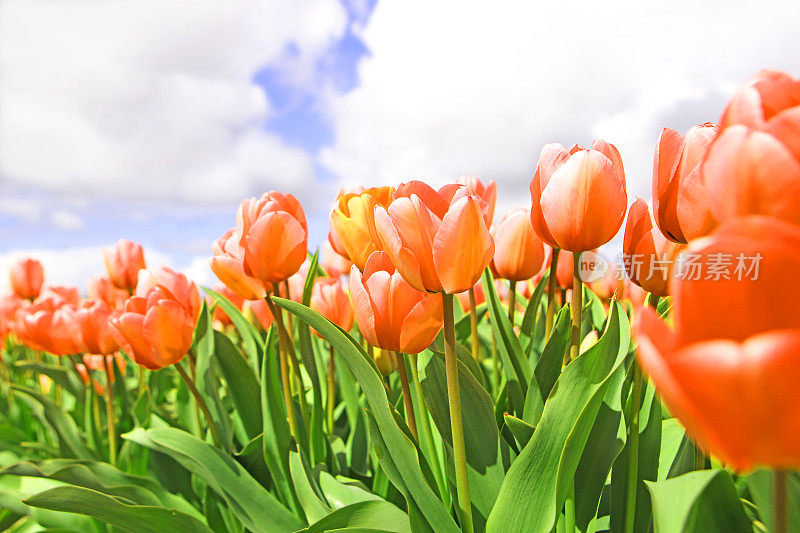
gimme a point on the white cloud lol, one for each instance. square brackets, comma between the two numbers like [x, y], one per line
[467, 87]
[66, 221]
[152, 98]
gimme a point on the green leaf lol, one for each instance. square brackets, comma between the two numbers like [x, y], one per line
[402, 451]
[257, 509]
[115, 511]
[341, 494]
[528, 324]
[701, 501]
[522, 430]
[760, 484]
[548, 368]
[314, 507]
[515, 362]
[485, 470]
[537, 483]
[251, 339]
[59, 374]
[364, 516]
[242, 383]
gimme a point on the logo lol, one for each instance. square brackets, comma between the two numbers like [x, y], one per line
[592, 267]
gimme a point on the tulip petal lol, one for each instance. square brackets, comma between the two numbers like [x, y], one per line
[422, 324]
[169, 330]
[363, 308]
[275, 247]
[402, 258]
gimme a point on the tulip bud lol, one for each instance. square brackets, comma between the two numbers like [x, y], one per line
[27, 276]
[123, 263]
[228, 265]
[329, 298]
[649, 255]
[518, 251]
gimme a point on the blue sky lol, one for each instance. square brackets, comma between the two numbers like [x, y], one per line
[151, 120]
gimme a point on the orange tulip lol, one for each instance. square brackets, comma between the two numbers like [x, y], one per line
[10, 306]
[98, 362]
[26, 276]
[156, 327]
[611, 285]
[753, 166]
[274, 236]
[86, 378]
[439, 240]
[564, 271]
[463, 297]
[487, 192]
[649, 256]
[220, 315]
[94, 319]
[329, 298]
[60, 295]
[258, 312]
[53, 328]
[297, 284]
[228, 265]
[334, 264]
[681, 203]
[123, 263]
[352, 223]
[518, 252]
[579, 197]
[392, 314]
[101, 288]
[729, 371]
[634, 294]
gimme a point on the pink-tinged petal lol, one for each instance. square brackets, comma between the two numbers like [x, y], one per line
[611, 152]
[585, 201]
[363, 309]
[751, 172]
[552, 157]
[274, 248]
[463, 247]
[422, 324]
[401, 257]
[435, 201]
[231, 273]
[128, 332]
[417, 225]
[786, 128]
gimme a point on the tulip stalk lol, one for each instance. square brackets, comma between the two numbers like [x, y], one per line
[424, 422]
[456, 423]
[551, 294]
[780, 511]
[473, 325]
[512, 301]
[331, 388]
[110, 415]
[577, 310]
[284, 343]
[200, 402]
[407, 403]
[633, 448]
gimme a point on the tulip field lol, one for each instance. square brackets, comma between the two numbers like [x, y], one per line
[435, 366]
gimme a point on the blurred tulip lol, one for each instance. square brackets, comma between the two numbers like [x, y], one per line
[438, 240]
[296, 284]
[518, 251]
[635, 294]
[681, 203]
[49, 327]
[86, 379]
[611, 285]
[729, 371]
[257, 312]
[753, 166]
[10, 306]
[60, 295]
[274, 236]
[228, 265]
[219, 314]
[352, 222]
[391, 314]
[578, 196]
[335, 265]
[649, 256]
[101, 288]
[329, 298]
[463, 297]
[157, 325]
[487, 192]
[94, 319]
[123, 263]
[26, 276]
[99, 362]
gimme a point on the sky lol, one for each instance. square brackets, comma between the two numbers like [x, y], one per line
[152, 119]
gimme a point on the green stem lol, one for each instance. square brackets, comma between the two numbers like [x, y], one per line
[456, 423]
[576, 308]
[551, 295]
[407, 403]
[110, 415]
[633, 449]
[283, 345]
[780, 515]
[473, 324]
[201, 403]
[425, 423]
[331, 389]
[496, 364]
[512, 301]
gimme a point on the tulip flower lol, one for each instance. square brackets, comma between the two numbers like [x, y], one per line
[649, 255]
[228, 265]
[487, 192]
[438, 240]
[465, 300]
[390, 312]
[352, 222]
[579, 197]
[681, 202]
[49, 327]
[123, 263]
[10, 306]
[518, 251]
[59, 295]
[94, 318]
[26, 276]
[101, 288]
[753, 166]
[257, 312]
[729, 371]
[334, 264]
[99, 362]
[329, 298]
[156, 327]
[274, 236]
